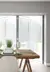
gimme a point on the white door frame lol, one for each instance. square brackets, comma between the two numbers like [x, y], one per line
[42, 32]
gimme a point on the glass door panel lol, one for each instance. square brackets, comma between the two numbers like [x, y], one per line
[23, 31]
[8, 29]
[11, 29]
[30, 34]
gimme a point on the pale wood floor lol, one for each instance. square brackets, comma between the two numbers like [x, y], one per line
[37, 67]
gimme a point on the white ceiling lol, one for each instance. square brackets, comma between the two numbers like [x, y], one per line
[26, 0]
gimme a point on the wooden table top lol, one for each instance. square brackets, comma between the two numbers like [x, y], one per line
[27, 54]
[24, 54]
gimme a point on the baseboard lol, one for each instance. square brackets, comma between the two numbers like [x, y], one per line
[46, 64]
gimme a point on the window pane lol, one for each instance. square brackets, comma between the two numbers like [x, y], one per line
[11, 29]
[23, 31]
[30, 33]
[2, 28]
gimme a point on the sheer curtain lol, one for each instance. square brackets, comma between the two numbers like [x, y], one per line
[23, 31]
[8, 29]
[30, 31]
[11, 29]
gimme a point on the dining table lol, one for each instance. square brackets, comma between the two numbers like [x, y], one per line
[23, 54]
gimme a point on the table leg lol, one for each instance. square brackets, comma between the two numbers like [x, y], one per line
[20, 63]
[24, 65]
[27, 63]
[30, 70]
[28, 67]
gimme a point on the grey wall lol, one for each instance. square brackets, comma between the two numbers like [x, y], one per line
[24, 0]
[24, 7]
[30, 7]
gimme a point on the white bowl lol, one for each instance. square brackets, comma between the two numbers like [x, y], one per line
[8, 50]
